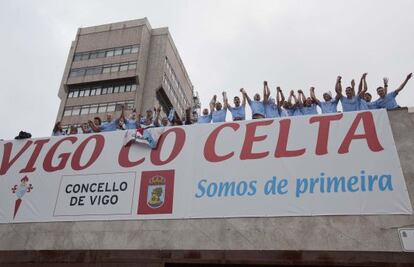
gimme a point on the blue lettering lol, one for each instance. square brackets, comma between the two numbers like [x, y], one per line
[353, 180]
[252, 187]
[201, 188]
[385, 183]
[299, 183]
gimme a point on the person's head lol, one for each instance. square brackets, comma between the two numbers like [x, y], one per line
[236, 101]
[348, 92]
[327, 96]
[218, 106]
[195, 116]
[256, 97]
[97, 121]
[109, 117]
[149, 113]
[367, 97]
[73, 130]
[308, 102]
[381, 91]
[205, 111]
[287, 104]
[164, 121]
[85, 128]
[133, 115]
[57, 127]
[271, 100]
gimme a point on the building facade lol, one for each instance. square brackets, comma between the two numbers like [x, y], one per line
[122, 64]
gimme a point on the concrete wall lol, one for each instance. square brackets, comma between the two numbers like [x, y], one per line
[319, 233]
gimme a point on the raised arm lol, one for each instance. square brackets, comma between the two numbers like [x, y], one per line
[266, 92]
[282, 97]
[404, 83]
[301, 98]
[213, 103]
[313, 96]
[278, 97]
[297, 100]
[361, 86]
[95, 128]
[338, 87]
[244, 97]
[353, 86]
[225, 100]
[385, 79]
[291, 95]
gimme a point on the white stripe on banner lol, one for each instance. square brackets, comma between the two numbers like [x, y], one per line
[337, 164]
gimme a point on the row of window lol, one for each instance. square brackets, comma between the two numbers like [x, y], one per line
[98, 108]
[117, 51]
[177, 86]
[102, 90]
[169, 88]
[110, 68]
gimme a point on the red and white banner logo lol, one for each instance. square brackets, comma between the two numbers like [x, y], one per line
[156, 192]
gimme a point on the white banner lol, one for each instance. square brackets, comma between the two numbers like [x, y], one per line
[338, 164]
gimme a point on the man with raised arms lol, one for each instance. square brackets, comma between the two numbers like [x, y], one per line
[329, 105]
[309, 105]
[257, 106]
[238, 112]
[272, 107]
[387, 100]
[218, 113]
[349, 102]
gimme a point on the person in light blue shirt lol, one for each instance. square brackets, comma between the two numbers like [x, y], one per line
[109, 125]
[256, 105]
[350, 102]
[387, 100]
[329, 105]
[218, 112]
[308, 105]
[272, 106]
[238, 112]
[205, 117]
[364, 98]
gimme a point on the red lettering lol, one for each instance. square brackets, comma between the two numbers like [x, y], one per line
[209, 147]
[281, 147]
[38, 147]
[178, 146]
[250, 137]
[47, 163]
[123, 158]
[6, 163]
[370, 133]
[99, 145]
[323, 132]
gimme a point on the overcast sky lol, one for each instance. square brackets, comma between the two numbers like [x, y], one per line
[225, 45]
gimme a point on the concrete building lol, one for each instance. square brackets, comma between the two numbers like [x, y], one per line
[126, 63]
[281, 241]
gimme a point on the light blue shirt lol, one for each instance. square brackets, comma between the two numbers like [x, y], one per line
[290, 111]
[271, 109]
[130, 124]
[350, 104]
[297, 111]
[238, 113]
[311, 110]
[108, 126]
[388, 101]
[204, 119]
[257, 107]
[328, 106]
[219, 115]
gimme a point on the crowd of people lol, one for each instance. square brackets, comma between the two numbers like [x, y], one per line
[261, 107]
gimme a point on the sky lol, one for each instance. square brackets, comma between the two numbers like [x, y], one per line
[225, 45]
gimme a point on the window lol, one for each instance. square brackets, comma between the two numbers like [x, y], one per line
[93, 109]
[102, 108]
[67, 112]
[76, 111]
[134, 49]
[93, 92]
[118, 52]
[81, 93]
[106, 69]
[84, 110]
[85, 56]
[121, 88]
[118, 106]
[94, 71]
[75, 93]
[123, 67]
[115, 68]
[133, 87]
[111, 107]
[127, 50]
[98, 91]
[110, 90]
[132, 66]
[116, 89]
[77, 57]
[110, 53]
[70, 95]
[101, 54]
[104, 90]
[87, 92]
[130, 105]
[93, 55]
[128, 88]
